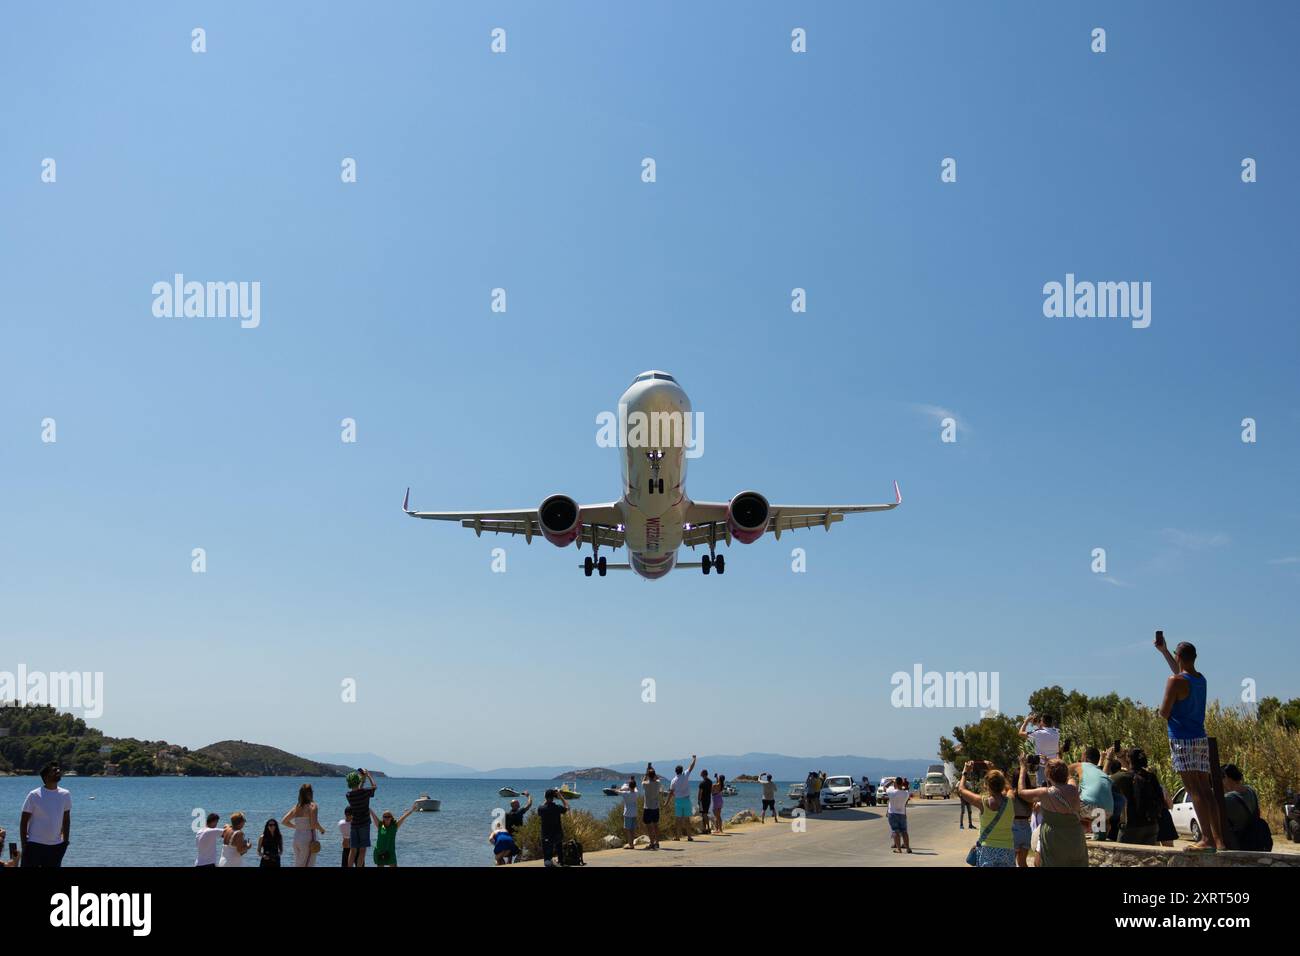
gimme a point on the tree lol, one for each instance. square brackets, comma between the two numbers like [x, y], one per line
[994, 739]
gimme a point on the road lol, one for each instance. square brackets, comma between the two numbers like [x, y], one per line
[849, 837]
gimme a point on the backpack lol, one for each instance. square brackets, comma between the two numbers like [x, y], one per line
[571, 853]
[1255, 835]
[1147, 802]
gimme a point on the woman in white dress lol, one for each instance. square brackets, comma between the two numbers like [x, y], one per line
[233, 842]
[303, 821]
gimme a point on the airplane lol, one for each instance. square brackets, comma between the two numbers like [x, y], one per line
[654, 517]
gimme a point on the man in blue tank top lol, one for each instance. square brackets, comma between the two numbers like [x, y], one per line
[1184, 707]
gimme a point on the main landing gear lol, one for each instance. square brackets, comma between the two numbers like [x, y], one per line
[718, 562]
[598, 565]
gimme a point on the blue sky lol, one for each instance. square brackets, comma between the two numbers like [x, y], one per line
[522, 171]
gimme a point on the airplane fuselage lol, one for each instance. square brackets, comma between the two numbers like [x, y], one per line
[654, 459]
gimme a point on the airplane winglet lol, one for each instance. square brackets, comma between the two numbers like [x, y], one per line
[407, 501]
[898, 495]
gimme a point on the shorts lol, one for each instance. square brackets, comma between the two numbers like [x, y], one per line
[359, 838]
[769, 805]
[704, 808]
[1020, 830]
[629, 823]
[897, 822]
[551, 843]
[1191, 756]
[505, 845]
[649, 816]
[682, 806]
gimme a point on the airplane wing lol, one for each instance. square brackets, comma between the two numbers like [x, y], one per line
[708, 519]
[601, 523]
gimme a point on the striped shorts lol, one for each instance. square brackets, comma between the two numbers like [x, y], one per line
[1190, 755]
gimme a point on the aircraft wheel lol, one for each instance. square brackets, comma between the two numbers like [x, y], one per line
[587, 565]
[661, 486]
[600, 566]
[720, 562]
[706, 564]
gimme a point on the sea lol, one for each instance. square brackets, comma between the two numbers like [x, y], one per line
[148, 821]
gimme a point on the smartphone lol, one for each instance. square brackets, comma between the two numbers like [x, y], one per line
[1160, 638]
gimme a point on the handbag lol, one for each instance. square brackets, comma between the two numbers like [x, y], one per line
[973, 856]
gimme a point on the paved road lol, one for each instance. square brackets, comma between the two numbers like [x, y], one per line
[849, 837]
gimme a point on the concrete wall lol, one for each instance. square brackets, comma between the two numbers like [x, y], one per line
[1125, 854]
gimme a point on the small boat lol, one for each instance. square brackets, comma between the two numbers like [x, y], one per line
[507, 792]
[611, 791]
[427, 803]
[729, 791]
[796, 792]
[567, 792]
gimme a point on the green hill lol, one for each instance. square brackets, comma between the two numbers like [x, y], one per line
[259, 760]
[33, 735]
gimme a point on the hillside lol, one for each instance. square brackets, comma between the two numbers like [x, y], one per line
[259, 760]
[34, 735]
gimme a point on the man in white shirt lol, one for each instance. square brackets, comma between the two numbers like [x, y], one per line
[46, 822]
[207, 843]
[1046, 738]
[680, 785]
[897, 796]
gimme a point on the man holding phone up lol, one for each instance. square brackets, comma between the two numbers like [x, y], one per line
[1184, 707]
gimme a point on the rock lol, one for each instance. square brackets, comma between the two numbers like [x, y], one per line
[642, 840]
[744, 816]
[612, 842]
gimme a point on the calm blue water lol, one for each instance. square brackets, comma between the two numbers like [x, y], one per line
[145, 821]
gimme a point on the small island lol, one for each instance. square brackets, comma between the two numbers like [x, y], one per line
[591, 773]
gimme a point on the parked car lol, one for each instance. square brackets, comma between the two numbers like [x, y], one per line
[841, 792]
[1184, 814]
[936, 785]
[886, 780]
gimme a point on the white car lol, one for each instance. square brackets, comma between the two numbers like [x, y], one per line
[841, 792]
[1184, 815]
[936, 785]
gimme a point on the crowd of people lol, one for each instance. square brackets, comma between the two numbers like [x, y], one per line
[1108, 795]
[1054, 805]
[642, 805]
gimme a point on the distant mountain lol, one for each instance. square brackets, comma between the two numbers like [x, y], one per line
[781, 766]
[377, 764]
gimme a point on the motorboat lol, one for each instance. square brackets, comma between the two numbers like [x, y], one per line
[507, 792]
[729, 791]
[427, 803]
[611, 791]
[567, 792]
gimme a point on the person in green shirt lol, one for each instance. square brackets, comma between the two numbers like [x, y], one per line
[386, 836]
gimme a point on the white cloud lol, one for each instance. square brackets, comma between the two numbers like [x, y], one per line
[939, 413]
[1194, 540]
